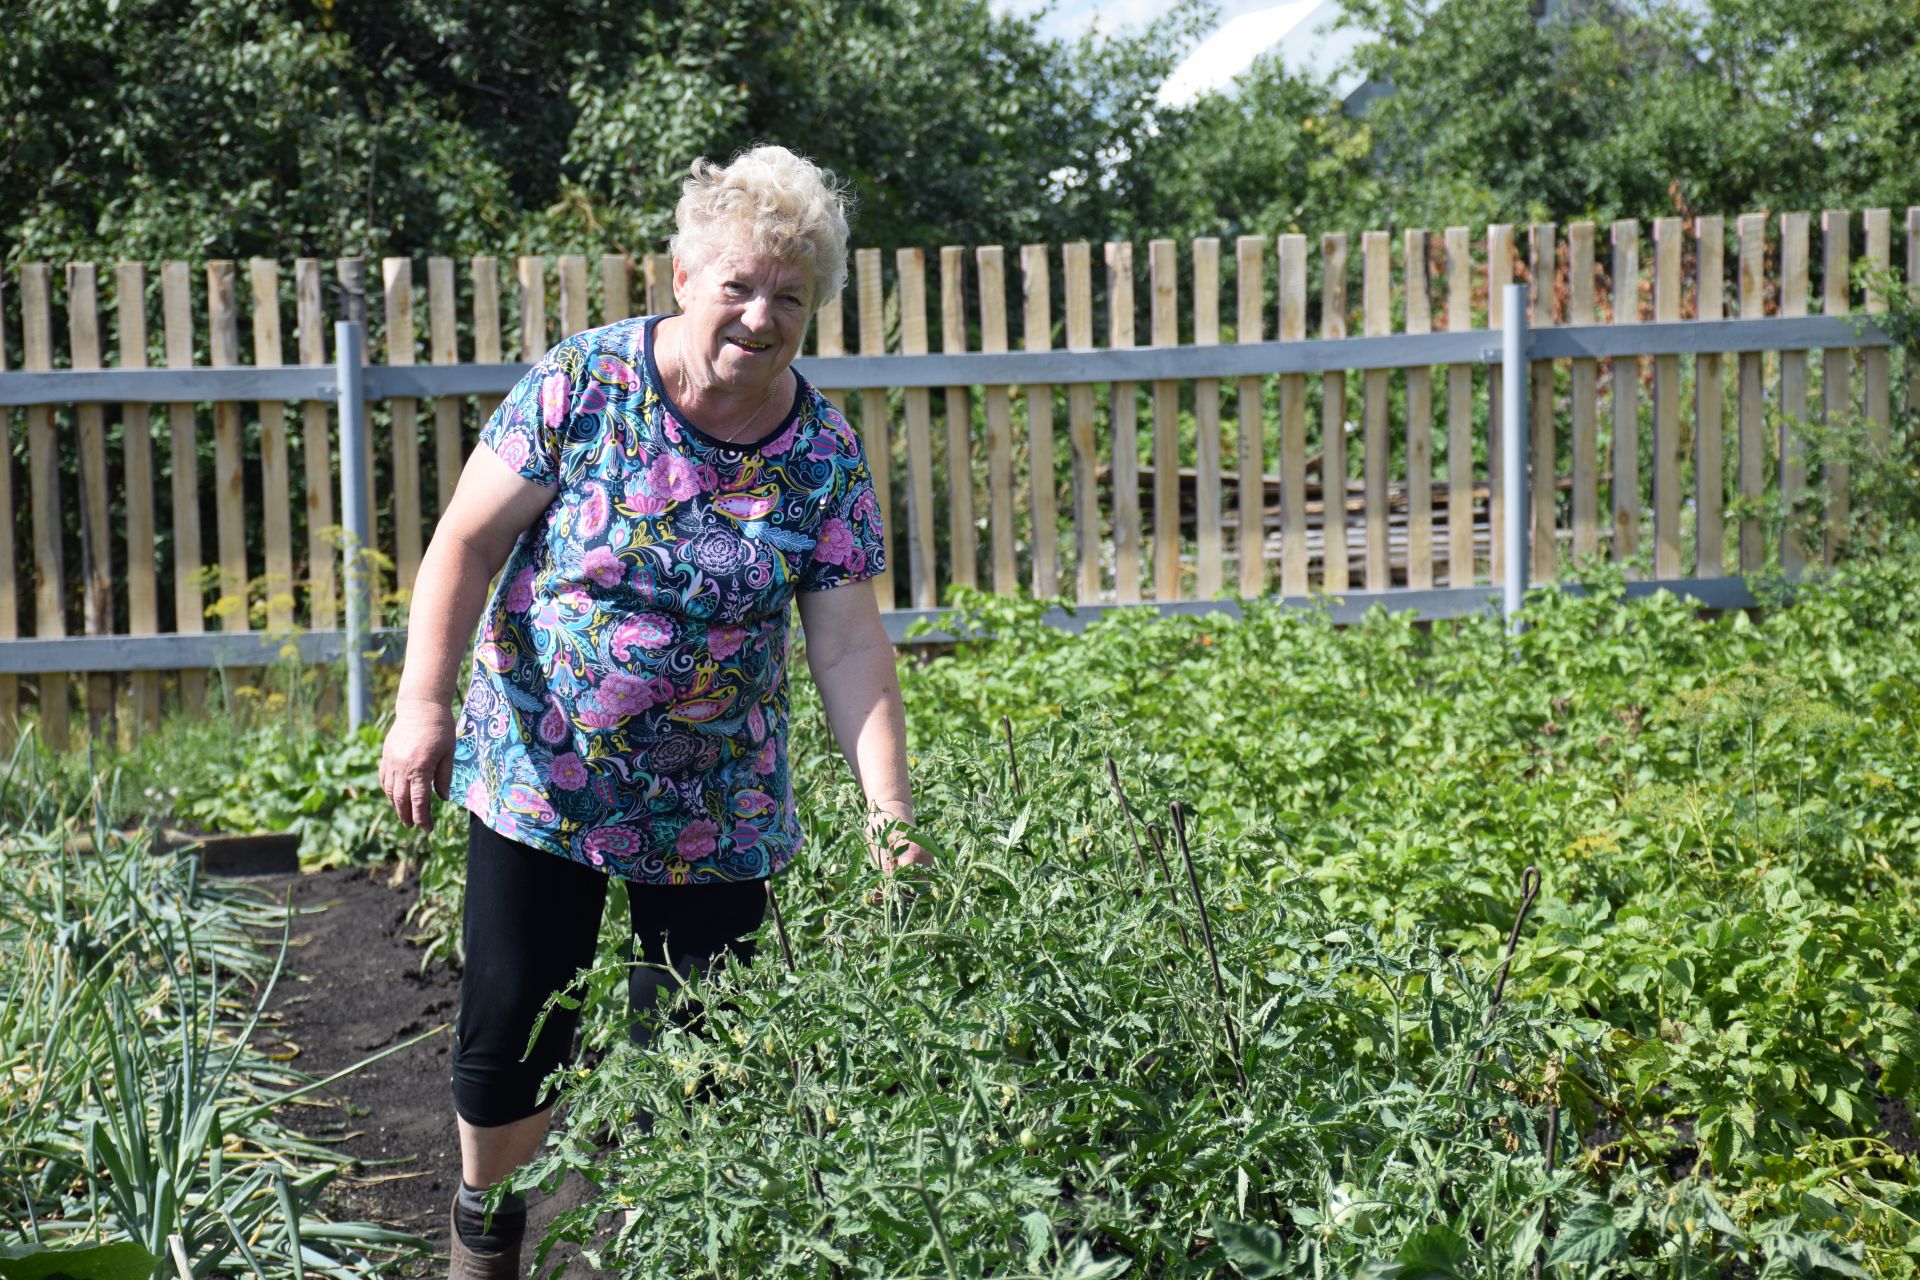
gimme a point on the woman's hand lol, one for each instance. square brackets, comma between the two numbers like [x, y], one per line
[491, 506]
[891, 847]
[416, 763]
[893, 852]
[910, 854]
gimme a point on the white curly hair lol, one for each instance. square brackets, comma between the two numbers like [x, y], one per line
[770, 201]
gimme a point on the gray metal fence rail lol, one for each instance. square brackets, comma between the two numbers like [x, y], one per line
[980, 369]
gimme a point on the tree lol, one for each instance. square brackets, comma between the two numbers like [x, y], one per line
[146, 128]
[1618, 109]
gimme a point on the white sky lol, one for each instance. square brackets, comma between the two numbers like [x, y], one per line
[1071, 17]
[1244, 29]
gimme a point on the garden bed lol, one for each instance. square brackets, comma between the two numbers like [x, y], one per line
[1031, 1070]
[357, 984]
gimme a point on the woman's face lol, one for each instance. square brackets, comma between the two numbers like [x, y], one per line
[743, 315]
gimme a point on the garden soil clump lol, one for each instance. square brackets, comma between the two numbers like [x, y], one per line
[354, 986]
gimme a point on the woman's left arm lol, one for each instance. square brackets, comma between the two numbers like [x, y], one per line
[852, 662]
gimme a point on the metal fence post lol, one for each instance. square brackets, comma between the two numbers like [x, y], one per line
[1513, 452]
[348, 338]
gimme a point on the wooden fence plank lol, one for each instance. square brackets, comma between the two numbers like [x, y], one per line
[1499, 276]
[1709, 376]
[9, 589]
[990, 262]
[1836, 389]
[1586, 396]
[1376, 319]
[1036, 287]
[1123, 423]
[136, 427]
[313, 338]
[876, 430]
[1209, 561]
[962, 542]
[487, 346]
[1076, 266]
[573, 294]
[1669, 447]
[96, 526]
[229, 451]
[1251, 454]
[1333, 417]
[1913, 296]
[96, 542]
[530, 273]
[660, 299]
[1795, 255]
[1752, 393]
[1543, 448]
[1876, 389]
[1460, 568]
[443, 347]
[616, 287]
[1163, 283]
[43, 493]
[923, 569]
[1419, 417]
[1623, 383]
[317, 430]
[397, 278]
[830, 339]
[189, 603]
[276, 488]
[1293, 421]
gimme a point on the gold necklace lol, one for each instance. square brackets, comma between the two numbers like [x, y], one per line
[686, 391]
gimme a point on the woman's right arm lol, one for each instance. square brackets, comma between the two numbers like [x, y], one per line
[491, 507]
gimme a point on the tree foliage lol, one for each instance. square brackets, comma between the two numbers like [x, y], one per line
[1736, 104]
[1601, 109]
[147, 128]
[155, 127]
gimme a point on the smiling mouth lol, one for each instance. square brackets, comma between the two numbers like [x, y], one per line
[746, 345]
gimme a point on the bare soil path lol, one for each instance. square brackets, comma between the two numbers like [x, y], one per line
[355, 985]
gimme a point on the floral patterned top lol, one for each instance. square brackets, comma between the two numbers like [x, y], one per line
[628, 702]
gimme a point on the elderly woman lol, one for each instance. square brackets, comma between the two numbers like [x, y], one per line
[665, 488]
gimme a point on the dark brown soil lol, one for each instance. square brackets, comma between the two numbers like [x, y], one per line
[353, 986]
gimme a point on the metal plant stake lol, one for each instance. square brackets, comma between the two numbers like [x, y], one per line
[806, 1112]
[1546, 1214]
[780, 927]
[1126, 810]
[1529, 890]
[1157, 837]
[1206, 929]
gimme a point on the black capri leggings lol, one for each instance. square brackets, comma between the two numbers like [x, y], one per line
[532, 920]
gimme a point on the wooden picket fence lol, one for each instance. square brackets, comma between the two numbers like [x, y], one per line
[1243, 480]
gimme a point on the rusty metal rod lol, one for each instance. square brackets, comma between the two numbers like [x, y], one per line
[1529, 890]
[1206, 928]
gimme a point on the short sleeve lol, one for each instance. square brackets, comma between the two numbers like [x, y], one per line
[526, 430]
[852, 541]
